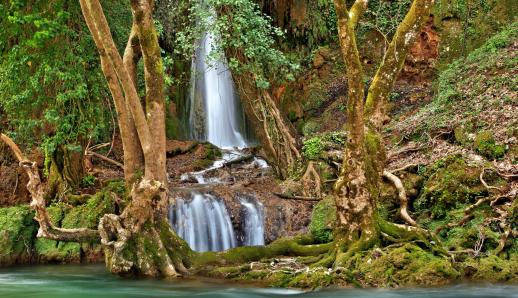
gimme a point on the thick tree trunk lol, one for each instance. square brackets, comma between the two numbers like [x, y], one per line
[140, 240]
[356, 191]
[273, 131]
[66, 171]
[354, 202]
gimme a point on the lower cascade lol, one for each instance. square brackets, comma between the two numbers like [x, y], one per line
[203, 222]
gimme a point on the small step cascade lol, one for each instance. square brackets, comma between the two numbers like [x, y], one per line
[253, 222]
[203, 222]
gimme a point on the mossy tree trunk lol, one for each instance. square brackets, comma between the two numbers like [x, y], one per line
[139, 241]
[66, 171]
[358, 224]
[275, 134]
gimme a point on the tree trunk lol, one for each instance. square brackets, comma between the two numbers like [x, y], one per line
[66, 171]
[140, 240]
[356, 191]
[273, 131]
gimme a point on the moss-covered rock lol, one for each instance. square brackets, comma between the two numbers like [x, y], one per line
[88, 215]
[492, 269]
[322, 218]
[450, 181]
[486, 145]
[17, 231]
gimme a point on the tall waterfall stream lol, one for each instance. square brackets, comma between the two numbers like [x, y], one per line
[216, 116]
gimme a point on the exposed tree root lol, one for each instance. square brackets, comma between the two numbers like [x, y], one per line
[298, 246]
[139, 243]
[299, 198]
[403, 199]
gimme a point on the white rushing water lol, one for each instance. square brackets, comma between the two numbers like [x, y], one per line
[253, 225]
[203, 222]
[214, 105]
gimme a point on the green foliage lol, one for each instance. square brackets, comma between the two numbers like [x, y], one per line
[241, 29]
[53, 91]
[88, 181]
[384, 16]
[313, 147]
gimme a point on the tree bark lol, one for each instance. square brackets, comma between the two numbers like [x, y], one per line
[139, 241]
[357, 189]
[274, 133]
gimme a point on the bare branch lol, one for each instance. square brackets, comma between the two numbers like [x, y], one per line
[36, 189]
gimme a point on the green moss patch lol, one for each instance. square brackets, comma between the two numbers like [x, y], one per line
[17, 231]
[322, 218]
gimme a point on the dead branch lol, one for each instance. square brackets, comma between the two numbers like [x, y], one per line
[107, 159]
[403, 199]
[36, 189]
[299, 198]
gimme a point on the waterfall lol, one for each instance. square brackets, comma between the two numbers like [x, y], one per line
[215, 113]
[203, 222]
[253, 222]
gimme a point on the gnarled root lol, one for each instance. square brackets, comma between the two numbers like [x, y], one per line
[139, 242]
[344, 248]
[298, 246]
[403, 199]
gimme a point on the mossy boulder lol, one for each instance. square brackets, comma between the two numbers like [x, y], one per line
[322, 219]
[486, 145]
[86, 215]
[449, 182]
[17, 231]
